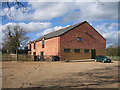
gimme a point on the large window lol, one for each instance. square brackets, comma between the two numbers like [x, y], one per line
[43, 44]
[66, 50]
[77, 50]
[86, 50]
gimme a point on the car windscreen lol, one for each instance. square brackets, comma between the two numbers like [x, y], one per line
[101, 57]
[104, 57]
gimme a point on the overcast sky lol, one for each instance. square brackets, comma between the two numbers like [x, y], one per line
[44, 17]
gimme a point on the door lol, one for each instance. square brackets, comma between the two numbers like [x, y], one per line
[93, 54]
[34, 53]
[41, 56]
[42, 53]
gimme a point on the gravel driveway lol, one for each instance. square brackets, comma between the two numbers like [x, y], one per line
[60, 74]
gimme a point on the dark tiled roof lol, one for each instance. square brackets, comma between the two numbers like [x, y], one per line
[59, 32]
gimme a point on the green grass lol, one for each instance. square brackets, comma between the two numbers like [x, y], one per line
[115, 59]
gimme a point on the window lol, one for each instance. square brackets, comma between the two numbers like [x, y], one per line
[77, 50]
[86, 50]
[66, 50]
[43, 43]
[34, 53]
[29, 46]
[42, 53]
[79, 39]
[34, 45]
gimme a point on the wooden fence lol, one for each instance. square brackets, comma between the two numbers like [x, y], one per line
[24, 57]
[12, 57]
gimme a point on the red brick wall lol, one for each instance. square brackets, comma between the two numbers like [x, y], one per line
[51, 47]
[68, 40]
[32, 48]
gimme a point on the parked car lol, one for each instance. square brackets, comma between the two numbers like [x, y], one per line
[102, 59]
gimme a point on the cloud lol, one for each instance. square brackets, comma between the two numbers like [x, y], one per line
[40, 11]
[0, 35]
[51, 30]
[49, 10]
[70, 0]
[0, 32]
[93, 12]
[109, 31]
[112, 26]
[30, 27]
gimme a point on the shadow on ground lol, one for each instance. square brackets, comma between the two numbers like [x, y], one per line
[96, 78]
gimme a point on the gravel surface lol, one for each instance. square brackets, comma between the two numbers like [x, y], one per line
[60, 74]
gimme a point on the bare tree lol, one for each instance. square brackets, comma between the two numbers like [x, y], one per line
[14, 39]
[8, 5]
[99, 2]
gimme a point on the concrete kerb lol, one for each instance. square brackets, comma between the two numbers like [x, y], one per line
[86, 60]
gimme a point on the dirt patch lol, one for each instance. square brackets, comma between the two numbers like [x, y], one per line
[60, 74]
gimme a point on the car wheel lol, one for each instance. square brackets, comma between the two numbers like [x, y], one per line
[95, 60]
[103, 61]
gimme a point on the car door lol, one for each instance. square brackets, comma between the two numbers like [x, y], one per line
[97, 58]
[100, 58]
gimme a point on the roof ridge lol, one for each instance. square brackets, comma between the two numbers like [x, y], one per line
[65, 27]
[52, 34]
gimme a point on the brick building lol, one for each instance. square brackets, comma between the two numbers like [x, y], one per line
[75, 42]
